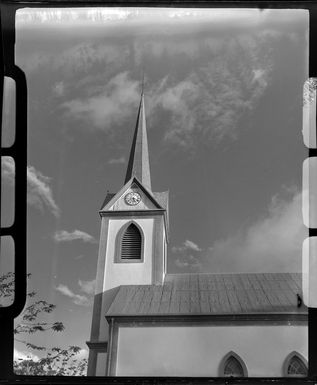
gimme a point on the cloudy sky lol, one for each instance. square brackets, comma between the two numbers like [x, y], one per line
[223, 97]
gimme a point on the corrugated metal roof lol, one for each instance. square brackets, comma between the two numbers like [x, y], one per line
[206, 294]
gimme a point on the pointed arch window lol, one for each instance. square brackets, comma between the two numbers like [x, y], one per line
[232, 366]
[295, 365]
[130, 244]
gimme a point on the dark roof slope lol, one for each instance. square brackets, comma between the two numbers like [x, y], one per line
[207, 294]
[162, 198]
[108, 198]
[139, 164]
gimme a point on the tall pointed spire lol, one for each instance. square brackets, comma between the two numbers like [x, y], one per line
[139, 165]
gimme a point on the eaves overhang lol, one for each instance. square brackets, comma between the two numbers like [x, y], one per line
[287, 318]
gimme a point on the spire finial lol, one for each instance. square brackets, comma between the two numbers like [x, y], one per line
[142, 84]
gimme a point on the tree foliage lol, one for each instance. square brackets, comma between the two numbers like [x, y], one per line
[55, 361]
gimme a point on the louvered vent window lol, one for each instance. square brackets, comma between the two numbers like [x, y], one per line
[131, 243]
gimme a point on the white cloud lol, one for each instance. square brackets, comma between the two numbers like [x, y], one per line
[25, 355]
[39, 192]
[112, 106]
[83, 56]
[177, 100]
[191, 245]
[272, 244]
[87, 287]
[260, 76]
[206, 104]
[185, 258]
[120, 160]
[188, 262]
[187, 245]
[78, 58]
[66, 236]
[77, 299]
[59, 88]
[230, 72]
[145, 48]
[83, 353]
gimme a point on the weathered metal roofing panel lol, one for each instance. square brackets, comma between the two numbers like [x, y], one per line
[207, 294]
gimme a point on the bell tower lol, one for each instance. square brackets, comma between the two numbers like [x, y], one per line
[133, 241]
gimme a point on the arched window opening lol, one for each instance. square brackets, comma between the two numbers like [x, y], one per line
[131, 244]
[232, 366]
[296, 367]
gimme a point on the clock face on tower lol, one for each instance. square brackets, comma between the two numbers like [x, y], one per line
[132, 198]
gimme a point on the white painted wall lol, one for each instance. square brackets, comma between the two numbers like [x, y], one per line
[101, 364]
[117, 274]
[165, 254]
[198, 351]
[128, 273]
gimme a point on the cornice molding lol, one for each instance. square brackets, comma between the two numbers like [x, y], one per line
[289, 319]
[131, 213]
[98, 345]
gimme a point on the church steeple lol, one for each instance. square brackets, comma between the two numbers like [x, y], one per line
[139, 165]
[133, 243]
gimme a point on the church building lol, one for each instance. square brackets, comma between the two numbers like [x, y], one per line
[147, 322]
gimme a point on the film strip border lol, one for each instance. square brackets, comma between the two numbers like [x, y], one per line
[15, 156]
[16, 152]
[309, 212]
[309, 195]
